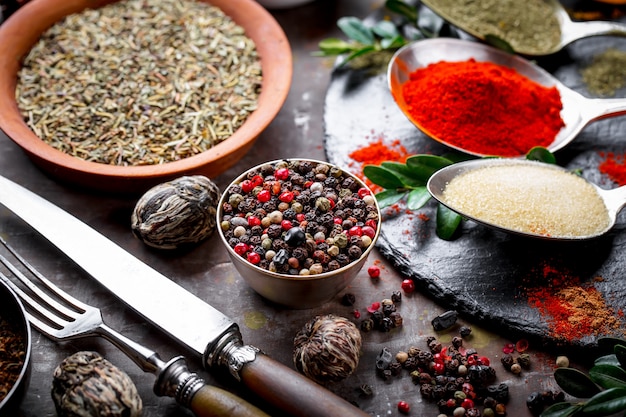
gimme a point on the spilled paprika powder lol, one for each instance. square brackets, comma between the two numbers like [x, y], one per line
[483, 108]
[614, 166]
[375, 153]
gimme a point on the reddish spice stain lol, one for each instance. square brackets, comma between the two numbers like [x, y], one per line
[614, 166]
[375, 153]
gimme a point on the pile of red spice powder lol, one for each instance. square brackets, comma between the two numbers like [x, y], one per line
[614, 166]
[572, 310]
[483, 108]
[376, 153]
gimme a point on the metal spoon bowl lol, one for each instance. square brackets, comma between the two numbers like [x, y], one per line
[570, 31]
[614, 199]
[578, 111]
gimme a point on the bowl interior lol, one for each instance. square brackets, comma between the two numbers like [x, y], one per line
[295, 291]
[23, 29]
[13, 318]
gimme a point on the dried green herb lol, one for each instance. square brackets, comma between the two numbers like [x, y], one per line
[140, 82]
[606, 73]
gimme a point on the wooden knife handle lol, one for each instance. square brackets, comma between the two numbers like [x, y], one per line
[211, 401]
[293, 392]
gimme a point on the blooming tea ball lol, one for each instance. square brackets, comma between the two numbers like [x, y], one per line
[178, 212]
[327, 348]
[87, 385]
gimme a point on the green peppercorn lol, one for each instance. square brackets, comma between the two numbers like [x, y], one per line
[524, 360]
[341, 240]
[235, 199]
[322, 204]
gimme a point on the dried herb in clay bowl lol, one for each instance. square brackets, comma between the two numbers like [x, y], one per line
[15, 351]
[186, 90]
[298, 230]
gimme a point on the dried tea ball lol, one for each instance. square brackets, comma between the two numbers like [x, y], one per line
[87, 385]
[178, 212]
[327, 348]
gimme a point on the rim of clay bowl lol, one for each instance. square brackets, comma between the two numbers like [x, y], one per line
[321, 276]
[22, 30]
[14, 307]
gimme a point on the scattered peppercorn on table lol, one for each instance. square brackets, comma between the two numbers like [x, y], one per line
[409, 338]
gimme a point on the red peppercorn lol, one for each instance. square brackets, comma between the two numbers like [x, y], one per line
[247, 186]
[281, 174]
[363, 192]
[254, 258]
[253, 221]
[264, 196]
[275, 186]
[451, 403]
[404, 407]
[371, 223]
[369, 231]
[257, 180]
[337, 220]
[373, 271]
[300, 217]
[286, 224]
[355, 231]
[467, 404]
[408, 286]
[241, 248]
[308, 184]
[374, 307]
[286, 197]
[357, 314]
[484, 360]
[439, 368]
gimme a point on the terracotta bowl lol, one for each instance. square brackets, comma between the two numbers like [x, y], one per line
[290, 290]
[12, 310]
[22, 30]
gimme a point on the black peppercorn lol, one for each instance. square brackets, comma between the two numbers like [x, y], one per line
[507, 361]
[384, 359]
[294, 236]
[367, 325]
[534, 402]
[281, 257]
[348, 299]
[465, 331]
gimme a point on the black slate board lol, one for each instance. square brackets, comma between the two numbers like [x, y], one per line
[482, 273]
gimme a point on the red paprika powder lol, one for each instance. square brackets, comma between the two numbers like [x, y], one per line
[614, 166]
[375, 153]
[483, 108]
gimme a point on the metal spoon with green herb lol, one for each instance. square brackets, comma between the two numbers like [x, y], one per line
[527, 198]
[536, 27]
[577, 112]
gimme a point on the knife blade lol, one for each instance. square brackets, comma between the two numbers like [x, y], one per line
[174, 310]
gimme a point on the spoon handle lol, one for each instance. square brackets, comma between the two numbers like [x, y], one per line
[572, 31]
[615, 199]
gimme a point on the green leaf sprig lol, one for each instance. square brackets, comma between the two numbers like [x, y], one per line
[603, 388]
[408, 181]
[383, 35]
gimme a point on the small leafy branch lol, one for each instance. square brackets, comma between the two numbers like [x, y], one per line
[408, 181]
[603, 388]
[382, 35]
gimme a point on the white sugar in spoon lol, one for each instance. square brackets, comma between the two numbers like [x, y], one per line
[545, 187]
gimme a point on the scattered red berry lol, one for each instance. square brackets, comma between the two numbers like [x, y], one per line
[408, 286]
[253, 221]
[357, 314]
[508, 348]
[282, 174]
[286, 197]
[286, 224]
[467, 404]
[369, 231]
[484, 360]
[521, 345]
[355, 231]
[363, 192]
[257, 180]
[373, 271]
[374, 307]
[404, 407]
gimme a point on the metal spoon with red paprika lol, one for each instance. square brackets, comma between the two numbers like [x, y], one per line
[527, 198]
[576, 113]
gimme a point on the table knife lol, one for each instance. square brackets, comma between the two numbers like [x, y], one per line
[174, 310]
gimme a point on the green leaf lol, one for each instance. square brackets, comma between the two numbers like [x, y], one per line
[541, 154]
[608, 376]
[620, 354]
[355, 29]
[403, 9]
[575, 382]
[417, 198]
[392, 43]
[334, 46]
[382, 177]
[607, 344]
[499, 43]
[362, 51]
[423, 166]
[388, 198]
[561, 410]
[447, 222]
[385, 29]
[606, 403]
[404, 172]
[607, 360]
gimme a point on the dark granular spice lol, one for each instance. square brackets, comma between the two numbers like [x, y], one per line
[299, 217]
[12, 356]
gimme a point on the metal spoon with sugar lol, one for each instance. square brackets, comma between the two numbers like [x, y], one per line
[578, 111]
[527, 198]
[570, 31]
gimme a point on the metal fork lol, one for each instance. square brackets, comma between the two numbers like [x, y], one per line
[69, 318]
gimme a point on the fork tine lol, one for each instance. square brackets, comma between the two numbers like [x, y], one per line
[58, 307]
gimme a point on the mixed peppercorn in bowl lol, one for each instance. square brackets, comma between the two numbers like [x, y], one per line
[298, 230]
